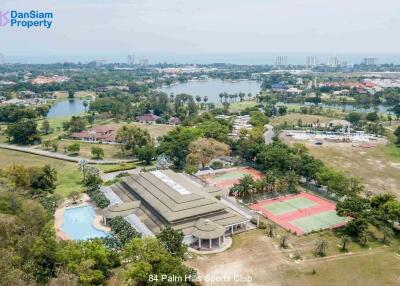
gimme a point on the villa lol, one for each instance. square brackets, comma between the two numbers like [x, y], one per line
[101, 133]
[151, 201]
[174, 121]
[147, 118]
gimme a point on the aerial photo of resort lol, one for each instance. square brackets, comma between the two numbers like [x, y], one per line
[199, 143]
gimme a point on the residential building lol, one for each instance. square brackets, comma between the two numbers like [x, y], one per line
[174, 121]
[130, 60]
[100, 133]
[147, 118]
[153, 200]
[281, 61]
[370, 61]
[333, 61]
[311, 61]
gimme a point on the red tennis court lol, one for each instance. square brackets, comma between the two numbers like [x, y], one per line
[301, 213]
[228, 177]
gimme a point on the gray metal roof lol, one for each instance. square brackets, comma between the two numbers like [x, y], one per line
[161, 204]
[139, 226]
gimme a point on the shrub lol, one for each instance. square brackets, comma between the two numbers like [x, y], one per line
[217, 165]
[122, 229]
[117, 168]
[98, 197]
[262, 225]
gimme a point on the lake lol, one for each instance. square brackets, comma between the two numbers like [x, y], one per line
[66, 108]
[213, 87]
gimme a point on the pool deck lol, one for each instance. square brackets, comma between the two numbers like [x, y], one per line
[59, 217]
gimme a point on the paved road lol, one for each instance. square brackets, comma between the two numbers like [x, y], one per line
[59, 156]
[269, 134]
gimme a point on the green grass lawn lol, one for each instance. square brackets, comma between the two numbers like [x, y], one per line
[239, 106]
[292, 119]
[68, 176]
[373, 269]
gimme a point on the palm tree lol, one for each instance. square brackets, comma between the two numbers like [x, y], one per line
[284, 241]
[344, 241]
[363, 237]
[249, 95]
[271, 230]
[85, 104]
[387, 232]
[198, 98]
[321, 247]
[226, 96]
[221, 95]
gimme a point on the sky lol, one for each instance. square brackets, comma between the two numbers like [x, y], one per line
[96, 28]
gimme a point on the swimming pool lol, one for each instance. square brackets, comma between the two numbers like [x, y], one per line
[78, 223]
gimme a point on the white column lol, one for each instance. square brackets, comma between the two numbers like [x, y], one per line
[219, 241]
[232, 229]
[210, 242]
[199, 242]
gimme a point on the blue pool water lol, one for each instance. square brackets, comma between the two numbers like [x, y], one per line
[78, 223]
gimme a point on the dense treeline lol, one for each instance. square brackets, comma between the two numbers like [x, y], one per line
[12, 113]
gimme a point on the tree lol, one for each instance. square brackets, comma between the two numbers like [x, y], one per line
[244, 188]
[54, 145]
[372, 116]
[147, 257]
[146, 153]
[363, 238]
[356, 227]
[71, 94]
[163, 162]
[387, 232]
[203, 150]
[284, 241]
[258, 119]
[85, 104]
[214, 129]
[122, 229]
[397, 134]
[175, 145]
[132, 138]
[90, 260]
[47, 144]
[396, 110]
[76, 124]
[74, 196]
[74, 148]
[44, 180]
[46, 127]
[344, 242]
[271, 230]
[172, 241]
[97, 152]
[24, 132]
[320, 247]
[354, 117]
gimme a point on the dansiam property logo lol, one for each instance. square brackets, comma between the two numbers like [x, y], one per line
[26, 19]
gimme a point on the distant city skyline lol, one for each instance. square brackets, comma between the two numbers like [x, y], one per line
[106, 28]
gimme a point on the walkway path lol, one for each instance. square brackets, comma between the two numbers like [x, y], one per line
[59, 156]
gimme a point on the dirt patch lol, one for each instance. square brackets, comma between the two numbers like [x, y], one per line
[252, 260]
